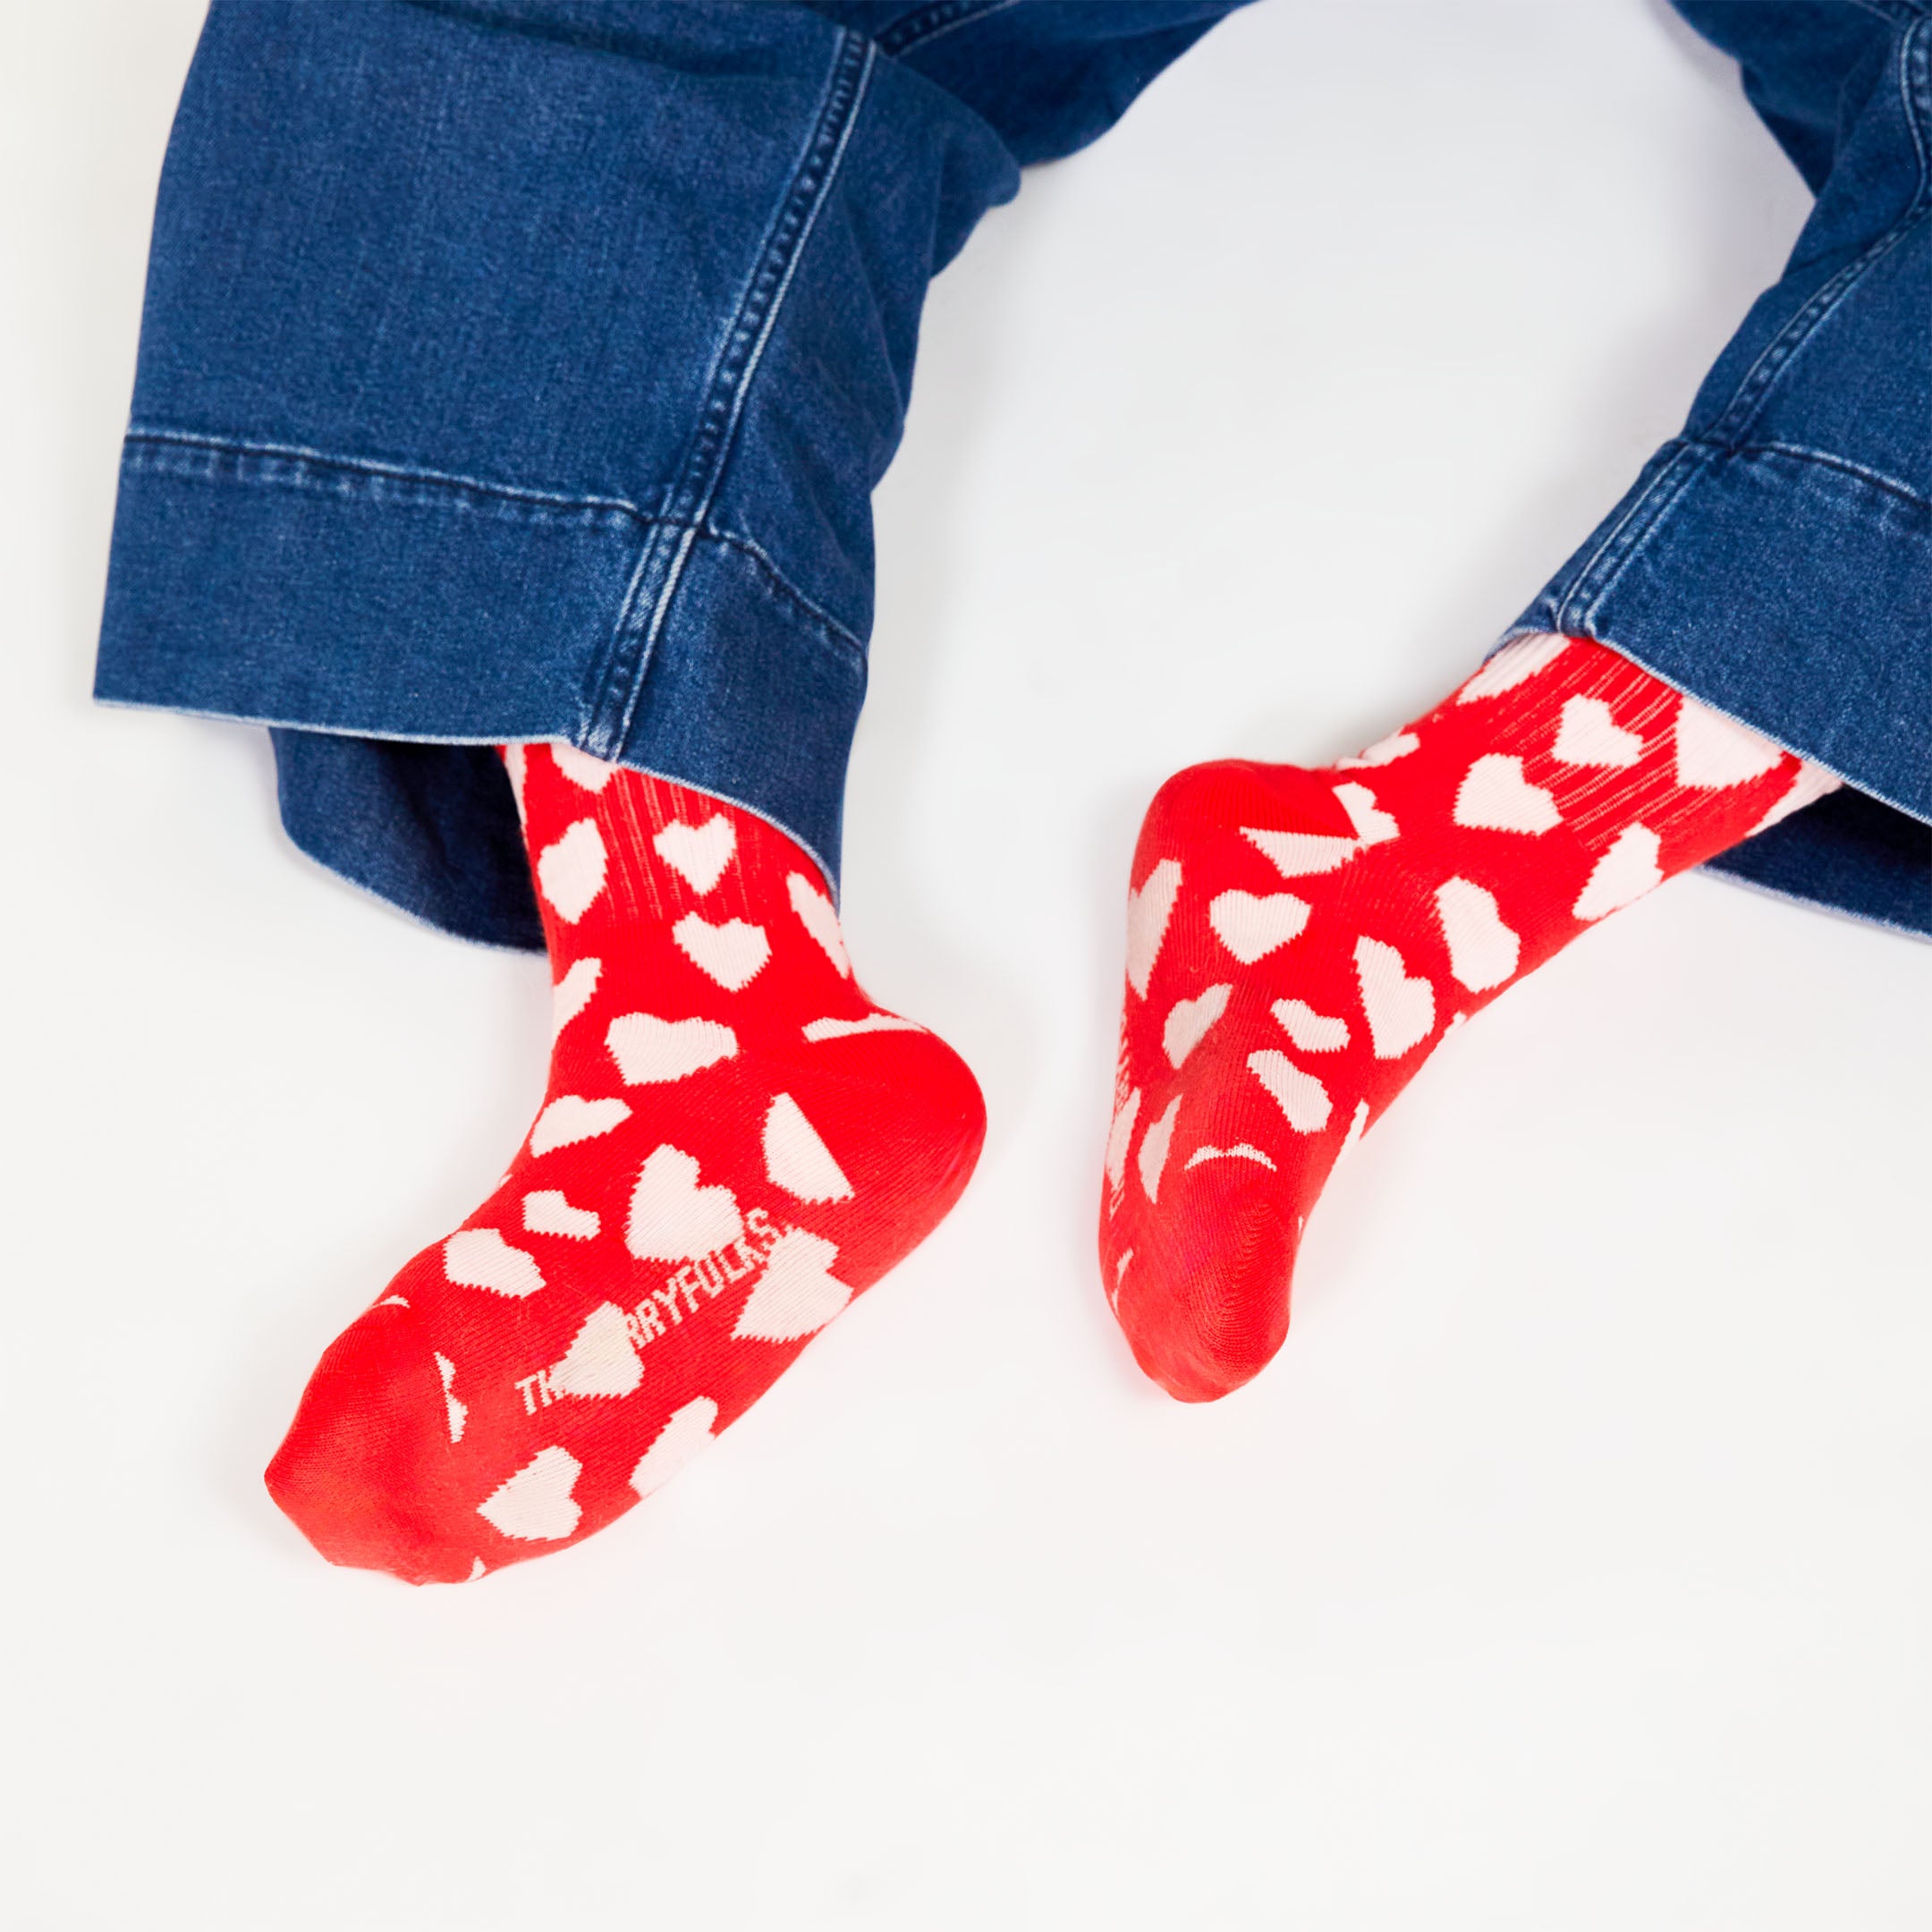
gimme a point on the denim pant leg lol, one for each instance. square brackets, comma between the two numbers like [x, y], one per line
[1776, 558]
[522, 369]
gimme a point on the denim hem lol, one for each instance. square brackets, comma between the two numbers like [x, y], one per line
[1791, 589]
[346, 600]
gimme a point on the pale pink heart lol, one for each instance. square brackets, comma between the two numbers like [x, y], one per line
[535, 1505]
[648, 1050]
[1483, 951]
[1120, 1137]
[458, 1412]
[796, 1159]
[1251, 928]
[1148, 909]
[601, 1360]
[548, 1211]
[873, 1022]
[1715, 752]
[672, 1218]
[1625, 872]
[819, 916]
[481, 1258]
[569, 1118]
[1400, 1007]
[734, 953]
[582, 770]
[796, 1294]
[1241, 1150]
[1311, 1031]
[686, 1434]
[1518, 661]
[572, 993]
[570, 871]
[1383, 751]
[1587, 734]
[1301, 1098]
[1189, 1020]
[1373, 825]
[1495, 797]
[1154, 1144]
[697, 854]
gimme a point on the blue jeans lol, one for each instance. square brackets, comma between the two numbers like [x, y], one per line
[522, 369]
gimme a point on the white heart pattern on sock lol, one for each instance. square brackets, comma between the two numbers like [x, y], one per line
[1714, 751]
[796, 1294]
[1383, 751]
[1241, 1150]
[572, 993]
[674, 1219]
[1495, 797]
[1625, 872]
[1516, 663]
[536, 1505]
[458, 1412]
[1297, 854]
[648, 1050]
[1311, 1031]
[1251, 928]
[797, 1159]
[1189, 1020]
[1587, 734]
[1148, 911]
[481, 1258]
[1400, 1008]
[601, 1360]
[697, 854]
[818, 916]
[570, 871]
[734, 953]
[569, 1119]
[548, 1211]
[1154, 1144]
[1483, 951]
[1302, 1098]
[1120, 1138]
[1373, 825]
[686, 1434]
[873, 1022]
[587, 773]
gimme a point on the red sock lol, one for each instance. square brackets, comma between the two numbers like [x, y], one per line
[733, 1142]
[1299, 941]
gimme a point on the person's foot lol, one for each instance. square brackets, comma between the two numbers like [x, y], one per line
[735, 1141]
[1298, 941]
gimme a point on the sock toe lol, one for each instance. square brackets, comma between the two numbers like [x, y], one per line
[367, 1455]
[1215, 1311]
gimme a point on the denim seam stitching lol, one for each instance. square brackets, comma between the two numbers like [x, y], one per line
[1826, 460]
[647, 605]
[444, 489]
[917, 29]
[1577, 605]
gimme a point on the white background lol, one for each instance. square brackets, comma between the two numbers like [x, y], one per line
[1570, 1567]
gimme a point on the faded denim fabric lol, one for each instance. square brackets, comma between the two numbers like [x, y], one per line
[522, 369]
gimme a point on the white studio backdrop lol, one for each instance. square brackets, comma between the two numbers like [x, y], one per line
[1570, 1566]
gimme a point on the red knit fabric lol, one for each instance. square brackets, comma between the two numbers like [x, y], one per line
[733, 1142]
[1299, 942]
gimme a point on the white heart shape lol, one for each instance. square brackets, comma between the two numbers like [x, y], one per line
[1357, 1128]
[1400, 1007]
[796, 1159]
[1251, 928]
[1715, 752]
[481, 1258]
[568, 1119]
[819, 916]
[684, 1435]
[1120, 1138]
[572, 993]
[1189, 1020]
[649, 1050]
[734, 953]
[873, 1022]
[1373, 825]
[512, 757]
[601, 1360]
[536, 1505]
[796, 1294]
[1301, 1098]
[1520, 659]
[570, 871]
[1587, 734]
[1483, 951]
[1241, 1150]
[1296, 854]
[587, 773]
[1148, 911]
[1495, 797]
[1626, 871]
[458, 1412]
[1311, 1031]
[1154, 1144]
[697, 854]
[1812, 783]
[548, 1211]
[671, 1217]
[1383, 751]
